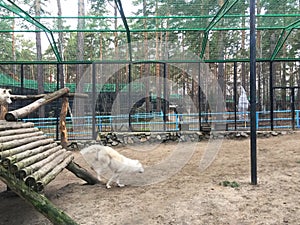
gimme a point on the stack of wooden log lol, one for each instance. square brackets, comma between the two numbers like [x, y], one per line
[28, 154]
[29, 160]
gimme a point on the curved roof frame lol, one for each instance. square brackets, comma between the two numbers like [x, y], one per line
[283, 37]
[11, 6]
[220, 14]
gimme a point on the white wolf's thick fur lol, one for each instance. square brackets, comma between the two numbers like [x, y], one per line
[5, 96]
[103, 157]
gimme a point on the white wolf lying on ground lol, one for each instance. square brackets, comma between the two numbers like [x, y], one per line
[103, 157]
[5, 96]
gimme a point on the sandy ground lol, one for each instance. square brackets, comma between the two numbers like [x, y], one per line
[190, 196]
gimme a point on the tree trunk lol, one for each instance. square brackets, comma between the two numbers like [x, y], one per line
[259, 55]
[14, 48]
[60, 45]
[40, 75]
[80, 40]
[80, 57]
[157, 66]
[243, 72]
[146, 68]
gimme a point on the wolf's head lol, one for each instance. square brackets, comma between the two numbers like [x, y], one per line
[138, 166]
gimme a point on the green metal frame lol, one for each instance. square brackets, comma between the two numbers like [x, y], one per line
[23, 14]
[283, 37]
[121, 11]
[222, 13]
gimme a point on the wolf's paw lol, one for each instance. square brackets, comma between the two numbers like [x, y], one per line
[121, 185]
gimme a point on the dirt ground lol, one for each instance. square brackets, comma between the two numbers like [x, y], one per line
[221, 194]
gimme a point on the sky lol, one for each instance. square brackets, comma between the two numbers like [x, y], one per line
[70, 8]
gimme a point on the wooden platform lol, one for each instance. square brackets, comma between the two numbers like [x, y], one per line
[29, 160]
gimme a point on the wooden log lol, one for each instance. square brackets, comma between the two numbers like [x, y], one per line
[77, 95]
[31, 180]
[20, 136]
[53, 173]
[14, 167]
[18, 131]
[14, 159]
[22, 112]
[9, 150]
[19, 142]
[26, 171]
[82, 173]
[28, 97]
[39, 202]
[14, 125]
[62, 122]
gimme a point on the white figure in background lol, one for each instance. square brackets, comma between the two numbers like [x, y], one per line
[243, 105]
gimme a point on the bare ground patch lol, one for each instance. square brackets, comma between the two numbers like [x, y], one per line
[190, 196]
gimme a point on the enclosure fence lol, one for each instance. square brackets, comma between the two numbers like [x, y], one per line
[82, 127]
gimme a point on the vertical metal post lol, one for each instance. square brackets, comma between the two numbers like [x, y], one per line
[235, 93]
[253, 92]
[57, 103]
[129, 96]
[22, 79]
[94, 134]
[271, 96]
[22, 85]
[165, 95]
[293, 106]
[199, 96]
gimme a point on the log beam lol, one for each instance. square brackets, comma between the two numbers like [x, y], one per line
[82, 173]
[18, 131]
[47, 157]
[15, 147]
[62, 123]
[26, 110]
[3, 111]
[15, 165]
[53, 173]
[4, 126]
[17, 161]
[38, 201]
[32, 179]
[29, 97]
